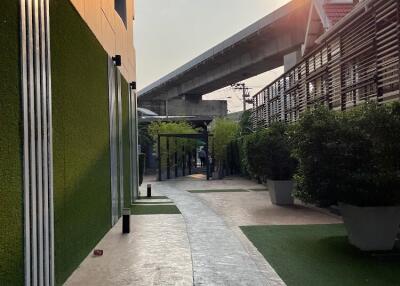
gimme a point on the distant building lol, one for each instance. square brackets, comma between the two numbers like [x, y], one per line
[350, 55]
[68, 132]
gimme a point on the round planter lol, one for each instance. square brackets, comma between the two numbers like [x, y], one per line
[371, 228]
[280, 192]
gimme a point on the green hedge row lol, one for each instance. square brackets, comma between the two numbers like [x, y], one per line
[351, 157]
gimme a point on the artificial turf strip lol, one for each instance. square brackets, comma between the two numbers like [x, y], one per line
[151, 203]
[259, 190]
[154, 210]
[218, 191]
[315, 255]
[153, 198]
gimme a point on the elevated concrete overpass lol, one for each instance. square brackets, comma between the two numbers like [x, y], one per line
[258, 48]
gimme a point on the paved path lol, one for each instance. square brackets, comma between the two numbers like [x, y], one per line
[202, 246]
[218, 255]
[156, 252]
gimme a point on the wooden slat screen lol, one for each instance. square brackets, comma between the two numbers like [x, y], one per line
[360, 63]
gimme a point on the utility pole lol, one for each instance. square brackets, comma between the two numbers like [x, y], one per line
[245, 92]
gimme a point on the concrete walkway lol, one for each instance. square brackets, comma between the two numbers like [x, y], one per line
[156, 252]
[218, 256]
[202, 246]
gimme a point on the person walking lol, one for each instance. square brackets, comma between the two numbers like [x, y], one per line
[202, 156]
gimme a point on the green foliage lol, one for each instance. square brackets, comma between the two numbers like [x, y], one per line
[144, 137]
[315, 145]
[224, 131]
[351, 157]
[269, 155]
[245, 124]
[181, 127]
[239, 143]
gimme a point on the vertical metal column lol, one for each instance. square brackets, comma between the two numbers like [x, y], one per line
[159, 157]
[120, 145]
[176, 158]
[134, 158]
[190, 162]
[37, 150]
[113, 141]
[207, 158]
[168, 161]
[183, 161]
[131, 157]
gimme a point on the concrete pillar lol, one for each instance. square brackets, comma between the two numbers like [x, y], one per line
[290, 60]
[195, 98]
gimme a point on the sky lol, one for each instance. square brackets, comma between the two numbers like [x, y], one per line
[169, 33]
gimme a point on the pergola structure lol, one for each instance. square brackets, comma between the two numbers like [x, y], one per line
[204, 136]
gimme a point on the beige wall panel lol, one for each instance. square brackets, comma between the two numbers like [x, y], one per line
[108, 10]
[79, 6]
[93, 15]
[107, 37]
[110, 30]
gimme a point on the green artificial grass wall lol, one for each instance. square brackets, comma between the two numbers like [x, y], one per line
[315, 255]
[11, 196]
[80, 138]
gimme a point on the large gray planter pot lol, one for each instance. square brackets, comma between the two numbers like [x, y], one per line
[280, 192]
[371, 228]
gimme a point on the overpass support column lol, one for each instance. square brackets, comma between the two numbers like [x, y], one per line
[290, 60]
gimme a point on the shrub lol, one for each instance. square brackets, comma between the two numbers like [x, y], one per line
[269, 155]
[352, 157]
[181, 127]
[224, 131]
[315, 144]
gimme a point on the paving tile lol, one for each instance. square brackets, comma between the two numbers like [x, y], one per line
[156, 252]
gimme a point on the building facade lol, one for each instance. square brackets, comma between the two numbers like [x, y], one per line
[353, 59]
[68, 139]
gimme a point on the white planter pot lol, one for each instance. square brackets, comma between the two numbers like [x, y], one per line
[280, 192]
[371, 228]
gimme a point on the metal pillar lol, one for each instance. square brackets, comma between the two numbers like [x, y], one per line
[176, 158]
[159, 157]
[168, 161]
[183, 161]
[190, 162]
[207, 159]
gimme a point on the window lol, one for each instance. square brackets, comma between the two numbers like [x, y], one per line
[120, 7]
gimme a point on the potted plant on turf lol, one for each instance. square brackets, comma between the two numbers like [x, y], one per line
[269, 157]
[352, 159]
[280, 165]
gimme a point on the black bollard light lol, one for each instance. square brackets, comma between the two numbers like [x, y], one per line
[149, 190]
[126, 217]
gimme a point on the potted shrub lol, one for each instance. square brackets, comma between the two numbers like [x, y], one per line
[352, 159]
[254, 155]
[269, 157]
